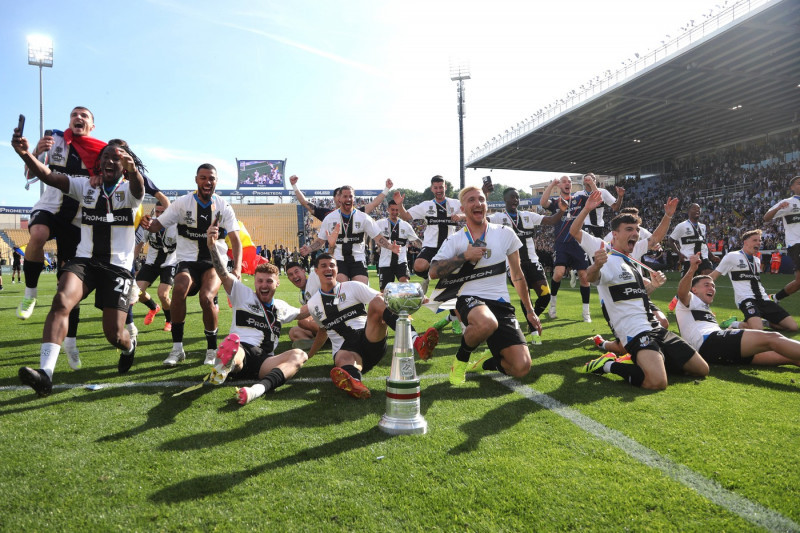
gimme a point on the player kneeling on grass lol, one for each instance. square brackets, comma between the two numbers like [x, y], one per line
[471, 267]
[248, 352]
[730, 346]
[355, 317]
[744, 268]
[654, 350]
[104, 257]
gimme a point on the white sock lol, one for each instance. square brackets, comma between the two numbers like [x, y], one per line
[258, 390]
[586, 308]
[607, 366]
[31, 292]
[553, 300]
[604, 346]
[70, 343]
[48, 357]
[177, 346]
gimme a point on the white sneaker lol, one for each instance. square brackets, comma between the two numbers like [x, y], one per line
[245, 395]
[552, 312]
[573, 278]
[73, 357]
[175, 356]
[587, 317]
[211, 356]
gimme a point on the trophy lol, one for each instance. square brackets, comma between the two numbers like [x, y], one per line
[402, 386]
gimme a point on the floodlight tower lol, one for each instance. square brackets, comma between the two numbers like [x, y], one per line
[460, 72]
[40, 54]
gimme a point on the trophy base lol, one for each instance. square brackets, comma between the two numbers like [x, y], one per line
[403, 426]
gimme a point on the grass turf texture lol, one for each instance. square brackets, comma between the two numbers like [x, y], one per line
[310, 458]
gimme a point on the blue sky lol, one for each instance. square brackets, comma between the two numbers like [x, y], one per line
[348, 92]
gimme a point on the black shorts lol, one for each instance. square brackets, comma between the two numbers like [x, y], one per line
[149, 273]
[388, 274]
[427, 253]
[724, 348]
[705, 264]
[508, 332]
[371, 352]
[675, 351]
[533, 273]
[196, 269]
[66, 234]
[352, 269]
[16, 266]
[570, 254]
[110, 283]
[768, 309]
[794, 253]
[254, 357]
[595, 231]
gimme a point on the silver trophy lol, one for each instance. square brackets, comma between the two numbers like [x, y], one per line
[402, 386]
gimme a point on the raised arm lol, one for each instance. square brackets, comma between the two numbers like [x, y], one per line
[618, 203]
[663, 227]
[600, 259]
[35, 167]
[379, 199]
[545, 201]
[398, 199]
[685, 285]
[301, 198]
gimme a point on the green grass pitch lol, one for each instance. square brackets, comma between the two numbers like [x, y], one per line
[551, 451]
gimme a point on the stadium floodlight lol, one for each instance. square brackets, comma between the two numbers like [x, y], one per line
[40, 54]
[459, 72]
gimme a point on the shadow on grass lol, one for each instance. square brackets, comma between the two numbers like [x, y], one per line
[212, 485]
[751, 375]
[162, 414]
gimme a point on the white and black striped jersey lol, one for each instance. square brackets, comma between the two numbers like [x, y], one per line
[487, 278]
[312, 286]
[791, 219]
[400, 232]
[350, 241]
[695, 322]
[522, 223]
[622, 289]
[343, 312]
[108, 221]
[745, 273]
[258, 324]
[439, 226]
[595, 218]
[691, 238]
[161, 247]
[64, 159]
[193, 219]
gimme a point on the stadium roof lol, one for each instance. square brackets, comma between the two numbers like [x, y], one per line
[710, 87]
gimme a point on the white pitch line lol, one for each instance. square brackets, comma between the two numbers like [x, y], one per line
[708, 488]
[751, 511]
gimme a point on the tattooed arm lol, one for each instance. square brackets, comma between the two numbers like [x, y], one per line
[383, 242]
[443, 267]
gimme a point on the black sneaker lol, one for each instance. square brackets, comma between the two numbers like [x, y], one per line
[126, 359]
[38, 380]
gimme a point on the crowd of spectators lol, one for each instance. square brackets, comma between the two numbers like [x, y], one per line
[734, 187]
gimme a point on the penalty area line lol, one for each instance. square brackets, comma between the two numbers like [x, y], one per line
[751, 511]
